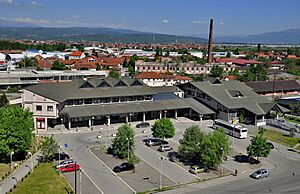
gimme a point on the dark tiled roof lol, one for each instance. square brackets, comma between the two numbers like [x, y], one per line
[82, 89]
[278, 85]
[125, 108]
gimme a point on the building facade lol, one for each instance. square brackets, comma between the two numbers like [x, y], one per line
[86, 103]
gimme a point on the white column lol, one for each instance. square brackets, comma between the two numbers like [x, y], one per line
[108, 120]
[190, 113]
[160, 115]
[175, 114]
[263, 117]
[144, 116]
[126, 118]
[46, 124]
[69, 123]
[200, 116]
[90, 122]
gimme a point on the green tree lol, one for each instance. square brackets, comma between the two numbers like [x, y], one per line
[123, 143]
[16, 126]
[228, 55]
[255, 73]
[189, 145]
[49, 148]
[259, 146]
[58, 66]
[258, 47]
[3, 100]
[29, 62]
[131, 70]
[216, 71]
[292, 132]
[114, 74]
[214, 147]
[295, 108]
[163, 128]
[242, 119]
[236, 51]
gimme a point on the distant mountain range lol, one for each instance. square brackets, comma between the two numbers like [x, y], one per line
[21, 30]
[92, 34]
[291, 36]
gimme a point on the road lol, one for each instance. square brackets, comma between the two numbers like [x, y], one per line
[78, 145]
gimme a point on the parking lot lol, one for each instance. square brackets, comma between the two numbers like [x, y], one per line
[89, 149]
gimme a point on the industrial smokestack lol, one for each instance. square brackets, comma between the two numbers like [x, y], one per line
[210, 44]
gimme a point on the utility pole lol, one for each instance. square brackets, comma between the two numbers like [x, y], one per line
[75, 179]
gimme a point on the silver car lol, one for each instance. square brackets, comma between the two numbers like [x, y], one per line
[261, 173]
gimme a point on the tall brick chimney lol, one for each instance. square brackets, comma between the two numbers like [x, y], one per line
[210, 44]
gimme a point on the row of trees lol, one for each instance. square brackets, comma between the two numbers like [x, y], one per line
[10, 45]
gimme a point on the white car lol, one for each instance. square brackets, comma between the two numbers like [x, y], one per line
[165, 148]
[65, 163]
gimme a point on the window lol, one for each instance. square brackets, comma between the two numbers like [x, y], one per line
[39, 108]
[50, 108]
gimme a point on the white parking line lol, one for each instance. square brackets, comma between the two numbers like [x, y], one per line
[92, 181]
[112, 171]
[171, 162]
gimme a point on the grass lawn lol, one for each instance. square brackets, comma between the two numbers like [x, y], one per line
[44, 179]
[280, 138]
[4, 168]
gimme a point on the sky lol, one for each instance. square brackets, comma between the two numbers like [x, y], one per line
[179, 17]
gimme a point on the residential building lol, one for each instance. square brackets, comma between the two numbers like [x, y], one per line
[156, 79]
[76, 55]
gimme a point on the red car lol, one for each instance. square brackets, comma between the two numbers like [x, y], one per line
[69, 168]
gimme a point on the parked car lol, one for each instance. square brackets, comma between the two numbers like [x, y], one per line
[165, 148]
[271, 145]
[123, 167]
[112, 151]
[155, 142]
[60, 156]
[174, 157]
[261, 173]
[143, 125]
[196, 169]
[69, 168]
[65, 163]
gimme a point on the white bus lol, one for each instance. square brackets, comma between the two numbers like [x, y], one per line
[231, 129]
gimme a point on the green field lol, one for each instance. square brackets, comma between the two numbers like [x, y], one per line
[282, 139]
[44, 179]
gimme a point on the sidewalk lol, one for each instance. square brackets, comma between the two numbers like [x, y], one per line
[18, 174]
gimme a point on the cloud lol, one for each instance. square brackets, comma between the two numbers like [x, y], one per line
[75, 16]
[221, 23]
[66, 23]
[7, 1]
[198, 22]
[34, 3]
[165, 21]
[27, 20]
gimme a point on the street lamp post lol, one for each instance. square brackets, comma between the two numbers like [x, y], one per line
[59, 147]
[160, 177]
[92, 123]
[15, 179]
[11, 162]
[31, 161]
[222, 149]
[128, 139]
[130, 118]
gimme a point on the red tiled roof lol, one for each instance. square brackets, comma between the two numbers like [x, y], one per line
[230, 77]
[237, 61]
[111, 61]
[179, 77]
[76, 53]
[149, 75]
[45, 63]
